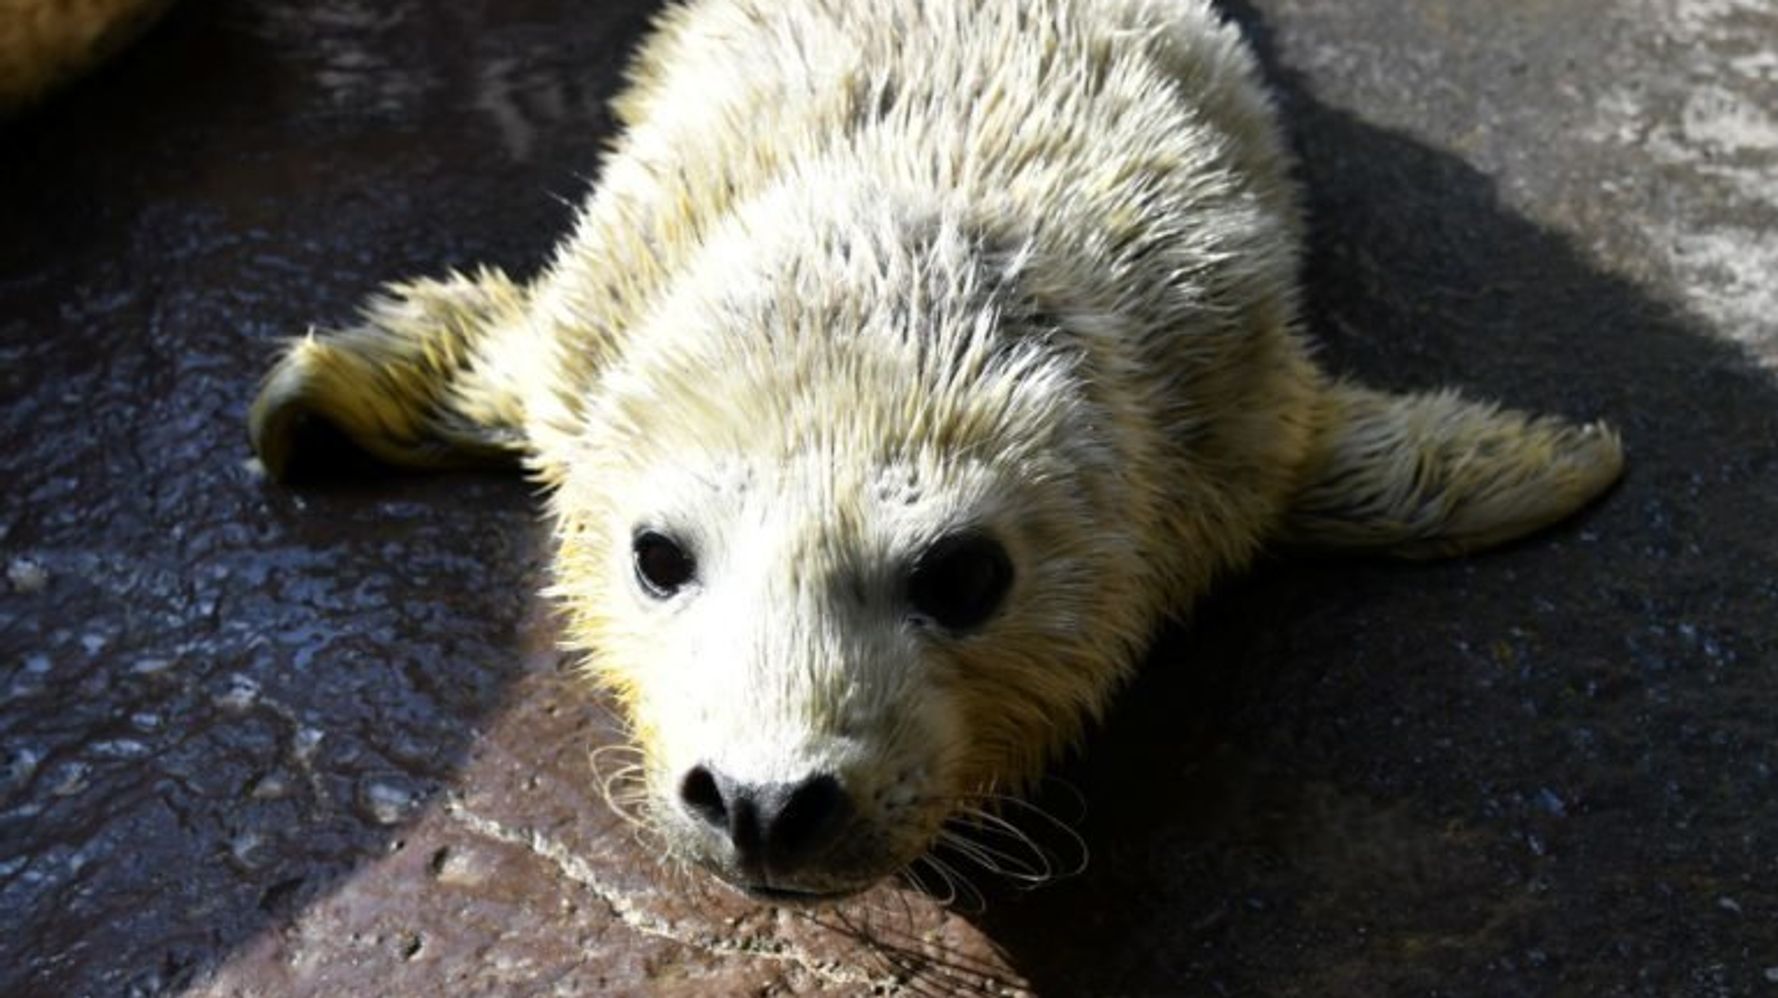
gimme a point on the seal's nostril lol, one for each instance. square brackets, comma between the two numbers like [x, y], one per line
[703, 797]
[809, 816]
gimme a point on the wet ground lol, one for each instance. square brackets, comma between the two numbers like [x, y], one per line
[256, 740]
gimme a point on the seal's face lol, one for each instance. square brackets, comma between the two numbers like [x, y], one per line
[824, 662]
[805, 694]
[844, 591]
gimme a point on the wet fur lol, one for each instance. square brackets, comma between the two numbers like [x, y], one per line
[855, 274]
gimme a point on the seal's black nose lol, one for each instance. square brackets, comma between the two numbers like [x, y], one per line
[773, 826]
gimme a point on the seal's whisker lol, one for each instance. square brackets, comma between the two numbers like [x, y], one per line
[587, 668]
[631, 804]
[1022, 853]
[602, 757]
[920, 974]
[631, 774]
[890, 906]
[617, 785]
[987, 822]
[924, 964]
[919, 883]
[907, 909]
[617, 748]
[1025, 804]
[996, 861]
[993, 801]
[950, 889]
[986, 819]
[895, 957]
[1034, 869]
[622, 788]
[648, 838]
[622, 774]
[959, 884]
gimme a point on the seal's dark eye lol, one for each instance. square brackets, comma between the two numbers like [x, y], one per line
[662, 566]
[960, 581]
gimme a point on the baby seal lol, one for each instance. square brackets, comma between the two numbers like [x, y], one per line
[909, 363]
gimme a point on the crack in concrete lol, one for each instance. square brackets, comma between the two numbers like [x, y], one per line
[632, 915]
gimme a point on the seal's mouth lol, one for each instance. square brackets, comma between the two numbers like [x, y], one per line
[790, 897]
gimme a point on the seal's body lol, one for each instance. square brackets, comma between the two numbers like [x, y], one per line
[909, 363]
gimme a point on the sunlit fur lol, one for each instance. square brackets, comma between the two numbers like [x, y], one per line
[859, 275]
[45, 42]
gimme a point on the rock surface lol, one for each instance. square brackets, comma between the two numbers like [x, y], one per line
[256, 740]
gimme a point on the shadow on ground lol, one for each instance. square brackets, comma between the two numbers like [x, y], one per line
[307, 740]
[1540, 769]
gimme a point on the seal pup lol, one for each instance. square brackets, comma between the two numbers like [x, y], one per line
[909, 362]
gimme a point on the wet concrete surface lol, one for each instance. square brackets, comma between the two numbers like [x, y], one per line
[256, 740]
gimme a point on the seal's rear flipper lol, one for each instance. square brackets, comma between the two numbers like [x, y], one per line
[1433, 474]
[410, 384]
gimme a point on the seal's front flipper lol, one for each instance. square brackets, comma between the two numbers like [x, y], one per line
[418, 382]
[1434, 474]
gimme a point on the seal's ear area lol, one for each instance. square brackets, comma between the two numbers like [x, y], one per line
[1426, 475]
[409, 384]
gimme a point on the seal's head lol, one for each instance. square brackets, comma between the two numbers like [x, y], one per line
[838, 535]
